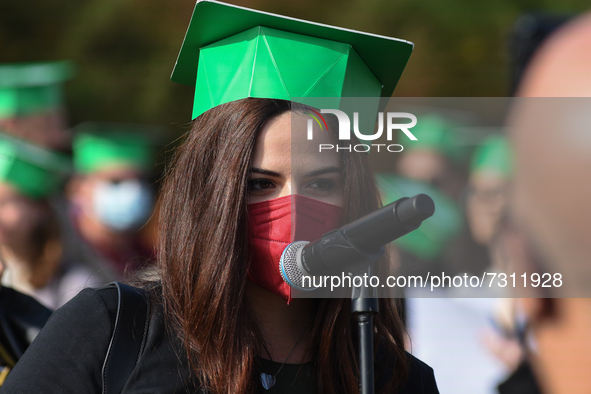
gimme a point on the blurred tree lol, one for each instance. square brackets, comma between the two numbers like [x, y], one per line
[126, 49]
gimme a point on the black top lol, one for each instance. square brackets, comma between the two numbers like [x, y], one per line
[21, 318]
[68, 354]
[521, 381]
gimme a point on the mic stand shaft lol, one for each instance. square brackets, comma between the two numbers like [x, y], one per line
[364, 305]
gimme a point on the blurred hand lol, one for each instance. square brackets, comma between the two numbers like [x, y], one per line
[506, 350]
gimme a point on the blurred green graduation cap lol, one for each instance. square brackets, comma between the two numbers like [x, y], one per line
[230, 53]
[31, 88]
[34, 171]
[493, 155]
[98, 145]
[428, 241]
[436, 133]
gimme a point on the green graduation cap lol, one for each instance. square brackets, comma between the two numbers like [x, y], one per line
[34, 171]
[436, 133]
[99, 145]
[493, 155]
[230, 53]
[31, 88]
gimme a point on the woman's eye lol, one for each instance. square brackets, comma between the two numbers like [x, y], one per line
[322, 185]
[260, 185]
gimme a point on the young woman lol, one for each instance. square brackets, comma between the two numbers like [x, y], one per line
[244, 184]
[212, 328]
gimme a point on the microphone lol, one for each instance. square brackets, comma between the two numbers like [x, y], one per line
[346, 249]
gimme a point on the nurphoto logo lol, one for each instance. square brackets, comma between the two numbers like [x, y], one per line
[393, 122]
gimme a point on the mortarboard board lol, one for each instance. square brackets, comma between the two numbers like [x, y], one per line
[230, 53]
[34, 171]
[99, 145]
[31, 88]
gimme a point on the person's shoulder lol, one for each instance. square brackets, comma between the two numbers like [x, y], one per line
[104, 298]
[67, 355]
[421, 378]
[108, 298]
[107, 295]
[418, 366]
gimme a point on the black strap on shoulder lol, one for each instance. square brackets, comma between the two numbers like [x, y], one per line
[129, 334]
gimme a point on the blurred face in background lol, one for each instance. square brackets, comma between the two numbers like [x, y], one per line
[430, 167]
[19, 216]
[117, 197]
[47, 129]
[422, 165]
[485, 204]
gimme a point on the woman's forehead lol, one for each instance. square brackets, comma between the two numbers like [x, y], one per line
[283, 144]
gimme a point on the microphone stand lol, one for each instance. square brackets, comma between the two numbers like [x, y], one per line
[340, 246]
[364, 305]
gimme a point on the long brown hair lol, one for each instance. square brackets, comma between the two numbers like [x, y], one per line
[203, 260]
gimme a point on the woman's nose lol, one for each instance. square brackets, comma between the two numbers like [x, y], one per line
[287, 189]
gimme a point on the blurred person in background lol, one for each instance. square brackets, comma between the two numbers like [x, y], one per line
[30, 235]
[454, 334]
[484, 204]
[486, 199]
[550, 219]
[438, 162]
[491, 171]
[444, 329]
[432, 165]
[32, 103]
[109, 194]
[436, 157]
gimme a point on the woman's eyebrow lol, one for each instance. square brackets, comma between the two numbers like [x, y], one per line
[322, 171]
[264, 172]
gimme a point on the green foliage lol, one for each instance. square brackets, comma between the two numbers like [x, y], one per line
[126, 49]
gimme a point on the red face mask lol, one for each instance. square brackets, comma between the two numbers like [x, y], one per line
[274, 224]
